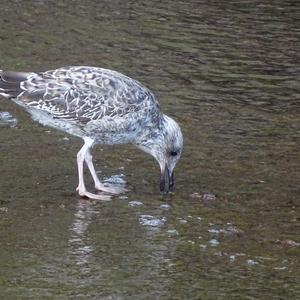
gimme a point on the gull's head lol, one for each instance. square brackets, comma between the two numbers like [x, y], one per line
[165, 145]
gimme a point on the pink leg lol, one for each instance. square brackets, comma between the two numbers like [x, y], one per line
[88, 143]
[98, 185]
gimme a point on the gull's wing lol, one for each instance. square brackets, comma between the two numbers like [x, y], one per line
[80, 94]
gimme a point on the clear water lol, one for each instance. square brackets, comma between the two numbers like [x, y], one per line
[228, 71]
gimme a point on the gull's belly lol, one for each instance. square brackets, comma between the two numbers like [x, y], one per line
[47, 119]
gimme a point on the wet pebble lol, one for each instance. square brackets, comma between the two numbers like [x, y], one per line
[229, 230]
[232, 257]
[251, 262]
[172, 232]
[7, 120]
[165, 206]
[4, 209]
[148, 220]
[214, 242]
[280, 268]
[209, 197]
[232, 230]
[196, 196]
[135, 203]
[182, 221]
[206, 197]
[116, 179]
[217, 231]
[288, 243]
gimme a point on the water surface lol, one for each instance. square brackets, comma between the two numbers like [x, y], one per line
[228, 72]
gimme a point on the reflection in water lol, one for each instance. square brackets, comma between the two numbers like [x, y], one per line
[81, 246]
[150, 258]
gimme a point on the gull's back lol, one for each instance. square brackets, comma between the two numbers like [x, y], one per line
[85, 101]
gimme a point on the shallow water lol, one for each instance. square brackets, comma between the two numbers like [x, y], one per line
[228, 71]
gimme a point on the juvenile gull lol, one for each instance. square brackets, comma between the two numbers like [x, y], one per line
[102, 107]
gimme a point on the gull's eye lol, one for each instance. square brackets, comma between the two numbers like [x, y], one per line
[173, 153]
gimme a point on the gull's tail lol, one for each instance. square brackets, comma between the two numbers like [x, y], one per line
[10, 83]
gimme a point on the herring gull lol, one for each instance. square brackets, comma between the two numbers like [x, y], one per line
[102, 107]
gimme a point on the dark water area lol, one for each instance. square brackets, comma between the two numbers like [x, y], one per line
[228, 72]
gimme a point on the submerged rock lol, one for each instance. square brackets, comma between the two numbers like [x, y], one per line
[228, 230]
[7, 120]
[288, 243]
[182, 221]
[165, 206]
[148, 220]
[115, 179]
[206, 197]
[135, 203]
[251, 262]
[4, 209]
[214, 242]
[172, 232]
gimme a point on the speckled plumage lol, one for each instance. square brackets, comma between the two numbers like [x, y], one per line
[95, 101]
[99, 105]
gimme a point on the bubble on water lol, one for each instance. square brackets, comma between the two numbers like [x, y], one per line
[206, 197]
[7, 120]
[196, 196]
[232, 257]
[4, 209]
[213, 231]
[182, 221]
[240, 254]
[229, 230]
[251, 262]
[209, 197]
[135, 203]
[214, 242]
[148, 220]
[280, 268]
[232, 230]
[165, 206]
[116, 179]
[172, 232]
[288, 243]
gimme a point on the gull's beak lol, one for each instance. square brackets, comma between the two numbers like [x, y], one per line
[166, 180]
